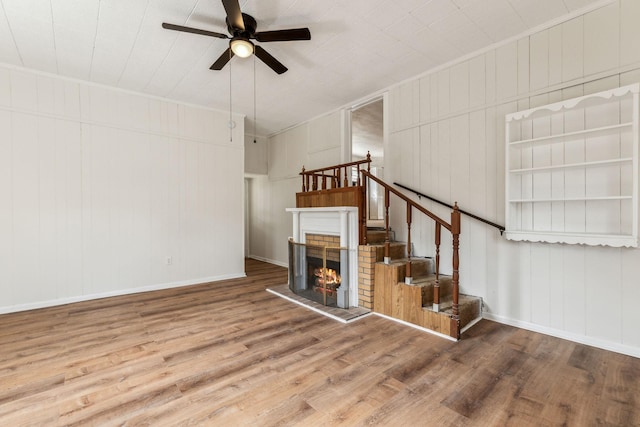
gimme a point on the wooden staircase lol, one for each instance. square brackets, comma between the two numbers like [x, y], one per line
[413, 303]
[391, 280]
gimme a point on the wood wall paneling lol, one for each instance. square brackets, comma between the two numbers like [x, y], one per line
[603, 285]
[629, 33]
[443, 79]
[523, 66]
[324, 134]
[572, 49]
[539, 52]
[555, 54]
[6, 208]
[5, 88]
[507, 71]
[477, 81]
[630, 293]
[574, 288]
[93, 187]
[425, 99]
[459, 87]
[24, 92]
[602, 39]
[26, 213]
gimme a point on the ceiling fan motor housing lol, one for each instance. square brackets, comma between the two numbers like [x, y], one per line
[250, 26]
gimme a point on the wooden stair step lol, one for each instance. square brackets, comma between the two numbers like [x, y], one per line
[376, 236]
[427, 283]
[397, 250]
[420, 267]
[469, 308]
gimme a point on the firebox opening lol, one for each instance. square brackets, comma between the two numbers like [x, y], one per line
[324, 282]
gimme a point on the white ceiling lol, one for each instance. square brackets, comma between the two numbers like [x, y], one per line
[357, 47]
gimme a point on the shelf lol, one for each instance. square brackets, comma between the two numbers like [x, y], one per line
[603, 129]
[574, 165]
[593, 99]
[594, 239]
[572, 199]
[615, 179]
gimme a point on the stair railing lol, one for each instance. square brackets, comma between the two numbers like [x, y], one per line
[433, 199]
[453, 227]
[332, 176]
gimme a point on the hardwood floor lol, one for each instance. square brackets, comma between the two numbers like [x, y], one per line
[229, 353]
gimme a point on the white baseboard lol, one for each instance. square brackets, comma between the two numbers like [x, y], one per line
[582, 339]
[416, 327]
[80, 298]
[270, 261]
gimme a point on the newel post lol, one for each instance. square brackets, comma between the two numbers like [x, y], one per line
[363, 206]
[436, 286]
[304, 187]
[455, 280]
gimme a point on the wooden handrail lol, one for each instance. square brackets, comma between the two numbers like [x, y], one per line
[433, 199]
[337, 175]
[332, 168]
[430, 214]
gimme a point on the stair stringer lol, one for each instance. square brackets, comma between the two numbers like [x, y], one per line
[412, 303]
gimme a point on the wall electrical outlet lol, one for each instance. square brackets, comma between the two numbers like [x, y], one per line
[169, 260]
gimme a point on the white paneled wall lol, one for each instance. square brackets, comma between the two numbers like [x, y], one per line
[456, 130]
[104, 192]
[314, 144]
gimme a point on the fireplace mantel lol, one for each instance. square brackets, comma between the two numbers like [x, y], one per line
[335, 221]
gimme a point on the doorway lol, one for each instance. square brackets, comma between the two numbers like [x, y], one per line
[367, 135]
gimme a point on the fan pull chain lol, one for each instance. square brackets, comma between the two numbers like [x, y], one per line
[254, 100]
[230, 104]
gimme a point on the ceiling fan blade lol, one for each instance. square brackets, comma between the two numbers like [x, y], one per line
[284, 35]
[234, 14]
[222, 60]
[194, 30]
[272, 62]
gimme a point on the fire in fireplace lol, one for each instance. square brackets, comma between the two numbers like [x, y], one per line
[324, 281]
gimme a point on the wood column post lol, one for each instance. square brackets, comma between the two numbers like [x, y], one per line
[408, 277]
[436, 286]
[455, 231]
[363, 208]
[387, 244]
[304, 187]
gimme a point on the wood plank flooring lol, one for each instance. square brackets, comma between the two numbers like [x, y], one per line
[229, 354]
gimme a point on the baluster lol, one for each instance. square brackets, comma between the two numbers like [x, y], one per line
[338, 175]
[363, 209]
[387, 244]
[308, 183]
[408, 278]
[324, 181]
[304, 188]
[358, 175]
[368, 162]
[346, 177]
[314, 179]
[455, 231]
[436, 286]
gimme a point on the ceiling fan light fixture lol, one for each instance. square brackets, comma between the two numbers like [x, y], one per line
[241, 47]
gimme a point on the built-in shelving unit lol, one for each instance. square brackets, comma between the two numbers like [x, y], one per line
[572, 170]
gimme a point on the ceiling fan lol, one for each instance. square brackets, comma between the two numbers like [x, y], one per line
[242, 28]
